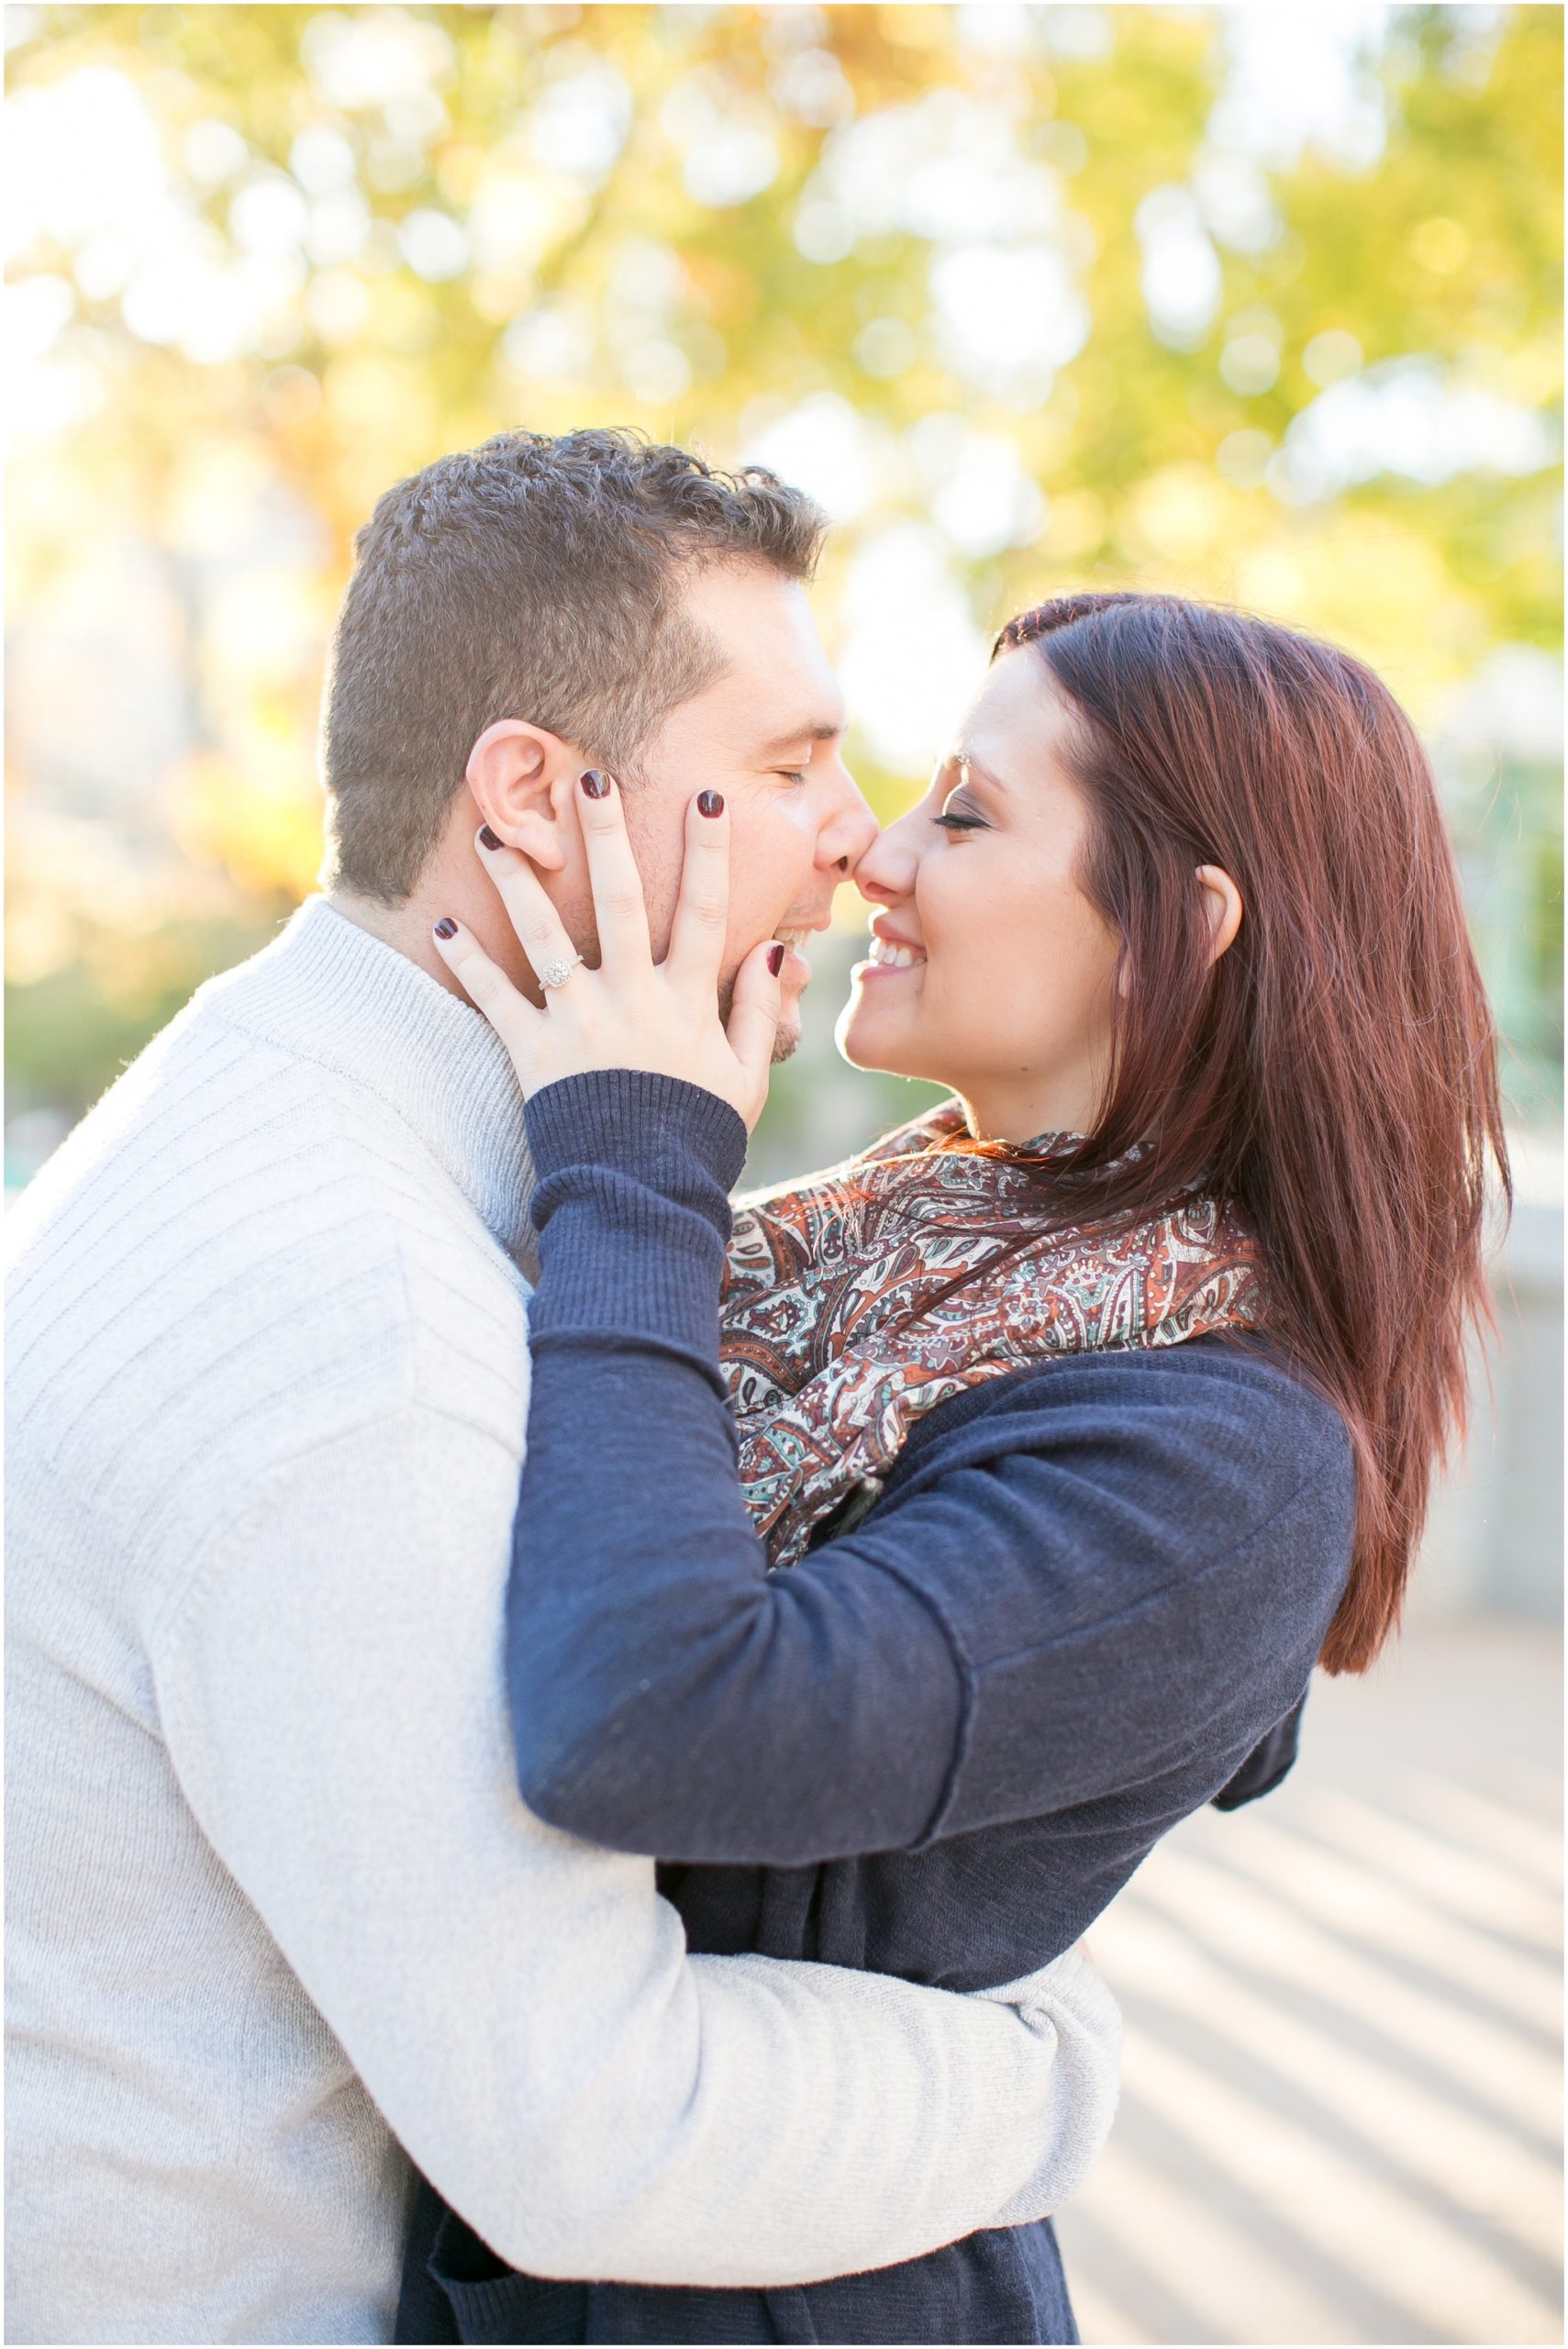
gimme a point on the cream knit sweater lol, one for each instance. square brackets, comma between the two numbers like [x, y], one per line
[275, 1910]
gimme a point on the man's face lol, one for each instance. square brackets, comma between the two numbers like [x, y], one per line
[767, 734]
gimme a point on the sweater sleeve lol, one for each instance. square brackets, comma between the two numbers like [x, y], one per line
[1028, 1631]
[523, 2011]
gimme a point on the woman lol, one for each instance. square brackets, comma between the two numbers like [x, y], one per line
[1086, 1417]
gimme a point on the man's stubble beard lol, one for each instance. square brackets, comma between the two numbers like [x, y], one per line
[786, 1040]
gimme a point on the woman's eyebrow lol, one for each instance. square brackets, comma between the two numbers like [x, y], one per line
[974, 770]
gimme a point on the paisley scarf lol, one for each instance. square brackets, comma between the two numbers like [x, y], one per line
[856, 1301]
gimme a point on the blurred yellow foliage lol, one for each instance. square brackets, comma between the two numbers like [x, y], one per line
[255, 820]
[1258, 304]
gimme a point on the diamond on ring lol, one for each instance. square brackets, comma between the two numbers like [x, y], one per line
[556, 973]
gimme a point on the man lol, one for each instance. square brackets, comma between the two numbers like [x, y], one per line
[278, 1920]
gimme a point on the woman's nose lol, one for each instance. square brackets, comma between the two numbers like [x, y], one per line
[887, 870]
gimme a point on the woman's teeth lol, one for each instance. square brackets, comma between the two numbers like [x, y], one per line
[894, 958]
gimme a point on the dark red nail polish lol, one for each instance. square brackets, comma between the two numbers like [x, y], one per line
[595, 783]
[775, 960]
[710, 803]
[446, 926]
[489, 839]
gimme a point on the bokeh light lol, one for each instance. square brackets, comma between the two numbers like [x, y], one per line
[1258, 304]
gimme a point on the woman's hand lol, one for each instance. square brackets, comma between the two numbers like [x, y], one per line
[631, 1012]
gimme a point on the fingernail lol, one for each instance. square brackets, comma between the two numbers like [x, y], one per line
[775, 960]
[710, 803]
[446, 926]
[488, 839]
[595, 783]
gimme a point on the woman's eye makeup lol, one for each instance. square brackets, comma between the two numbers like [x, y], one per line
[959, 811]
[961, 814]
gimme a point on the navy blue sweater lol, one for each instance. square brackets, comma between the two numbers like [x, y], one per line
[1087, 1602]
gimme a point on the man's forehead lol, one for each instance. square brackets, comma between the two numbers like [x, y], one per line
[783, 691]
[764, 717]
[775, 680]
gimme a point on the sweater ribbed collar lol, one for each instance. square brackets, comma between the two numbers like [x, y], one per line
[329, 992]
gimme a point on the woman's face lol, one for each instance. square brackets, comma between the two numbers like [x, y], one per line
[991, 971]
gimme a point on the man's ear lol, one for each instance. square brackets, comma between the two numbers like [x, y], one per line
[522, 779]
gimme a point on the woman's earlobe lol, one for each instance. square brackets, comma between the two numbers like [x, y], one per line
[1222, 906]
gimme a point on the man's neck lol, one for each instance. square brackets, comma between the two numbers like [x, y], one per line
[407, 929]
[345, 986]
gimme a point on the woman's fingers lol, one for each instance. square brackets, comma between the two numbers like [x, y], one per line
[754, 1017]
[542, 933]
[620, 908]
[484, 982]
[702, 910]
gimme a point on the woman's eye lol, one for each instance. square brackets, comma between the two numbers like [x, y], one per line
[956, 820]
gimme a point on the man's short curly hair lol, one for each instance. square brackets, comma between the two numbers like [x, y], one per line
[532, 578]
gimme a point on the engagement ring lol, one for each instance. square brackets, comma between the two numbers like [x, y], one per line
[556, 973]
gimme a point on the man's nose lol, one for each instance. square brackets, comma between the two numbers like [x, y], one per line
[850, 827]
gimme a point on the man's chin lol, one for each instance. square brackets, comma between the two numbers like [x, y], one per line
[786, 1039]
[786, 1036]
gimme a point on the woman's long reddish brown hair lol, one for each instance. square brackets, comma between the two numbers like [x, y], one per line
[1335, 1074]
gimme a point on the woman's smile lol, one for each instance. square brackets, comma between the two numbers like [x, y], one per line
[889, 951]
